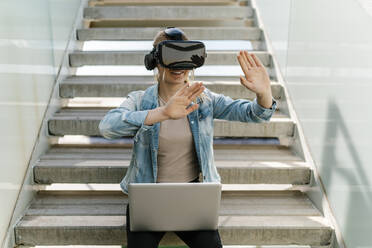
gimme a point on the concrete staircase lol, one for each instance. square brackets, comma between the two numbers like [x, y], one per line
[256, 162]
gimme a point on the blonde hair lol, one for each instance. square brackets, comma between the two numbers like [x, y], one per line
[161, 36]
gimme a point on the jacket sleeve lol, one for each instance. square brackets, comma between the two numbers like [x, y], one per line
[125, 120]
[240, 110]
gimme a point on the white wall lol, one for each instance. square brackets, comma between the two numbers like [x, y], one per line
[328, 71]
[33, 37]
[275, 15]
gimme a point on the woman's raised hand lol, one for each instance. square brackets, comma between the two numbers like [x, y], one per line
[256, 77]
[176, 106]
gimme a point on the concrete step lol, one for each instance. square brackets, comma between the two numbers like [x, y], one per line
[113, 102]
[98, 218]
[100, 142]
[168, 12]
[193, 33]
[120, 86]
[182, 246]
[82, 121]
[137, 58]
[260, 164]
[107, 23]
[162, 2]
[225, 187]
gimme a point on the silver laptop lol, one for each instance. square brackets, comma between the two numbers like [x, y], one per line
[174, 206]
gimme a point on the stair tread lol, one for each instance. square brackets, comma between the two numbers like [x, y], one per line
[135, 2]
[80, 58]
[109, 162]
[109, 230]
[123, 163]
[90, 142]
[99, 112]
[148, 80]
[212, 52]
[167, 12]
[85, 121]
[191, 22]
[249, 155]
[148, 33]
[250, 164]
[298, 222]
[120, 86]
[107, 203]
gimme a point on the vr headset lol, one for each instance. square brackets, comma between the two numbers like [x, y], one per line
[176, 53]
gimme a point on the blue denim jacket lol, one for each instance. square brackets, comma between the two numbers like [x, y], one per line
[128, 120]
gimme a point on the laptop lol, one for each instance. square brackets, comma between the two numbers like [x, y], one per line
[174, 206]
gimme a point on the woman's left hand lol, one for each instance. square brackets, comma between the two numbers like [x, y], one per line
[256, 77]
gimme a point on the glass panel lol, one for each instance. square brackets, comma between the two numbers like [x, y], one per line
[33, 37]
[329, 77]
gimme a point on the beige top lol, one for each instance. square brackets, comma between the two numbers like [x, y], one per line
[177, 161]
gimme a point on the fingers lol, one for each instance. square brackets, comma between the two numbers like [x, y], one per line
[248, 57]
[192, 89]
[187, 99]
[185, 95]
[192, 108]
[257, 61]
[248, 61]
[185, 102]
[197, 92]
[182, 90]
[243, 64]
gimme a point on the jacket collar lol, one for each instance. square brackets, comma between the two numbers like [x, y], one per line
[150, 97]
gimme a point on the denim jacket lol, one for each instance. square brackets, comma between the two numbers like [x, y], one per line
[128, 120]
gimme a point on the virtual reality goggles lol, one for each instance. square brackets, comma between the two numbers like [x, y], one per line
[176, 54]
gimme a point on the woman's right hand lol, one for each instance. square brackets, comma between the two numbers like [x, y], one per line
[176, 106]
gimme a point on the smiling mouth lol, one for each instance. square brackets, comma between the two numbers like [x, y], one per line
[177, 73]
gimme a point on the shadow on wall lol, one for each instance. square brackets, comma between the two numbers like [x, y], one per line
[359, 199]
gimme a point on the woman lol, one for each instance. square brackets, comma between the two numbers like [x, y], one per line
[172, 125]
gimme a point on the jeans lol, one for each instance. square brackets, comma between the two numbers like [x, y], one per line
[193, 239]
